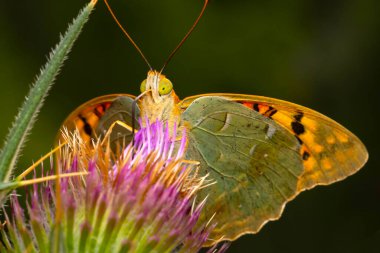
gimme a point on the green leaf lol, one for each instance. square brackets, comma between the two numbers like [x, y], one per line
[29, 110]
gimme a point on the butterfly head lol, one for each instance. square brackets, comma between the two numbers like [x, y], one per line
[159, 86]
[158, 100]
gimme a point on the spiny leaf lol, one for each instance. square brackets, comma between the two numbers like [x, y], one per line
[33, 102]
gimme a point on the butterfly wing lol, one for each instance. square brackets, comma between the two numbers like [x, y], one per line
[330, 152]
[262, 152]
[254, 161]
[119, 111]
[92, 117]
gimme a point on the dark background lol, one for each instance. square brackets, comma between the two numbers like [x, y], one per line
[318, 53]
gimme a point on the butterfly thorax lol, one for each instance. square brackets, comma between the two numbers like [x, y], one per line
[160, 101]
[165, 110]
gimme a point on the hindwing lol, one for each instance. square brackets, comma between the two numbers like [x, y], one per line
[254, 161]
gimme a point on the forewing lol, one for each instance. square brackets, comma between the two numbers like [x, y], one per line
[119, 111]
[254, 161]
[329, 151]
[87, 116]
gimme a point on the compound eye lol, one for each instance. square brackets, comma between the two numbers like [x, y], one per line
[165, 86]
[143, 86]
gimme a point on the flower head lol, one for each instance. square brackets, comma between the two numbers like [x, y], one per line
[141, 199]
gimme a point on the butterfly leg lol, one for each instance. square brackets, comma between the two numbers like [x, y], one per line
[193, 162]
[119, 123]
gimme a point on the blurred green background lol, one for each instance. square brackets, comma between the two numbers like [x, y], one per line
[318, 53]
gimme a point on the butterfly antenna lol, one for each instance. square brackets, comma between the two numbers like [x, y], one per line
[186, 36]
[127, 34]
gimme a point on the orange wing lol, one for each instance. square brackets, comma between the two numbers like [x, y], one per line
[329, 151]
[86, 117]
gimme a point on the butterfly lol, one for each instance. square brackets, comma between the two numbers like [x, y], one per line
[261, 152]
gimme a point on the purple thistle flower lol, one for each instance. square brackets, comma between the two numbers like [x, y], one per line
[142, 200]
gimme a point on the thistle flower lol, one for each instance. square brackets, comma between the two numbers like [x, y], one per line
[140, 200]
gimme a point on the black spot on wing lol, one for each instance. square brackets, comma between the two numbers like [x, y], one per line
[98, 112]
[297, 128]
[270, 108]
[299, 140]
[305, 155]
[272, 112]
[298, 117]
[256, 107]
[87, 127]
